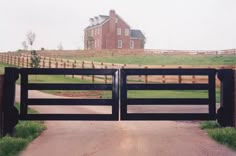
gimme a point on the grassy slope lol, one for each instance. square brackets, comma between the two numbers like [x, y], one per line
[166, 59]
[26, 131]
[225, 136]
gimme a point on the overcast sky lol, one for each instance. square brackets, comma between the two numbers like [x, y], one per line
[167, 24]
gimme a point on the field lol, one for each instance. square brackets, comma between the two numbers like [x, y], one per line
[151, 59]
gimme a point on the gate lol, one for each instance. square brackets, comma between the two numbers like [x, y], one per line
[210, 101]
[26, 86]
[11, 114]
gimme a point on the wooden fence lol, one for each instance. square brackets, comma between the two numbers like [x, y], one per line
[24, 60]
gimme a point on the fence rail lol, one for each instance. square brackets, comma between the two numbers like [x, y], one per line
[23, 60]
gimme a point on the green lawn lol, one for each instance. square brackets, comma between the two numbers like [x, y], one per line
[223, 135]
[151, 59]
[26, 131]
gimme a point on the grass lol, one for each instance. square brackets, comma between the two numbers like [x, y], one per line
[223, 135]
[25, 132]
[164, 59]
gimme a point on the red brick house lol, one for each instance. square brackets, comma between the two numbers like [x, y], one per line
[112, 32]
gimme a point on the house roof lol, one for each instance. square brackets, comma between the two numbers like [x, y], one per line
[102, 20]
[136, 34]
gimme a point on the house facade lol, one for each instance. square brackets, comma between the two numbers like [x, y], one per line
[111, 32]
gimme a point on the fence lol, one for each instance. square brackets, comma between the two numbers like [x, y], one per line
[23, 60]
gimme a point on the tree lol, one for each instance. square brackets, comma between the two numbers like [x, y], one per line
[30, 36]
[35, 59]
[60, 46]
[25, 46]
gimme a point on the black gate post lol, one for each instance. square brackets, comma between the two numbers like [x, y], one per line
[10, 113]
[225, 112]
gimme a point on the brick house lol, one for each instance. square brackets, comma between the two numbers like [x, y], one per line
[112, 32]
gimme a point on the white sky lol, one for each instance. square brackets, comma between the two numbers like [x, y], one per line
[167, 24]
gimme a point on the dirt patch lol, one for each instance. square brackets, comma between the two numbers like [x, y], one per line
[83, 94]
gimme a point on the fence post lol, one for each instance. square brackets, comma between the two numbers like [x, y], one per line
[8, 59]
[73, 66]
[23, 62]
[163, 76]
[15, 60]
[105, 76]
[18, 61]
[43, 63]
[64, 66]
[27, 62]
[10, 113]
[93, 67]
[225, 114]
[82, 76]
[179, 77]
[146, 77]
[49, 63]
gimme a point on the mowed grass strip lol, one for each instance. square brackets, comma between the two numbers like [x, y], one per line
[25, 132]
[223, 135]
[152, 59]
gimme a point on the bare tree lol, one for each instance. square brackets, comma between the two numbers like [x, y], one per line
[25, 46]
[31, 38]
[60, 46]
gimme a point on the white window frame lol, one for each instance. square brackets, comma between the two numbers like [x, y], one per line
[131, 44]
[118, 31]
[116, 20]
[126, 32]
[119, 44]
[98, 43]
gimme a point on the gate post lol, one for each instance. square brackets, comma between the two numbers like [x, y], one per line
[225, 113]
[234, 71]
[10, 113]
[1, 104]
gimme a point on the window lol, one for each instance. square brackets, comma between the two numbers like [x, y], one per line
[98, 44]
[131, 44]
[98, 31]
[119, 44]
[95, 31]
[126, 32]
[116, 20]
[118, 31]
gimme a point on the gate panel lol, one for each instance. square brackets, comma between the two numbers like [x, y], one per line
[26, 86]
[210, 101]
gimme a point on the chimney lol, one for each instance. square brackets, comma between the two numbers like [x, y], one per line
[112, 13]
[112, 27]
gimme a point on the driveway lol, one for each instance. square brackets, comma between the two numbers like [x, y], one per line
[119, 138]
